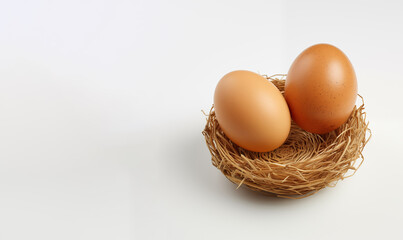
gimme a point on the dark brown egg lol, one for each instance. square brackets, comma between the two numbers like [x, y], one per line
[321, 89]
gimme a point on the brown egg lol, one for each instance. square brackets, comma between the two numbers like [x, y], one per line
[321, 89]
[251, 111]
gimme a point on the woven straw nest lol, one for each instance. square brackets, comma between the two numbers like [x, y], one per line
[303, 165]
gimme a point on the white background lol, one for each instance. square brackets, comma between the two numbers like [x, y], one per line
[100, 118]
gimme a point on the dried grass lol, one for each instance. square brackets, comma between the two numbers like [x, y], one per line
[303, 165]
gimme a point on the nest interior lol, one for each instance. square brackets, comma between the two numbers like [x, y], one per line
[303, 165]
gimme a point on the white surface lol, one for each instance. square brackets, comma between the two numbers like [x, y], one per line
[100, 121]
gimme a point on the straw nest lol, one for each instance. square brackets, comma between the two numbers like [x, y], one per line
[303, 165]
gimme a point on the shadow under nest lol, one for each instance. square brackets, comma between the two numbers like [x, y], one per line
[304, 164]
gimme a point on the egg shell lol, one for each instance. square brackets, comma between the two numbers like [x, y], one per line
[251, 111]
[321, 88]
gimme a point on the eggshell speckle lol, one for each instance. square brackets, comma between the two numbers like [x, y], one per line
[321, 88]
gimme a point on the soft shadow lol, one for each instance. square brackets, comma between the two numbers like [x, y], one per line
[268, 198]
[193, 159]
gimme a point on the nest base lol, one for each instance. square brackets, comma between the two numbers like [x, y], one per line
[303, 165]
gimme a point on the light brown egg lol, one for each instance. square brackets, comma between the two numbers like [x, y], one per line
[251, 111]
[321, 89]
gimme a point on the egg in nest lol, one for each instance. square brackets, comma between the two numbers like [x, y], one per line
[321, 89]
[251, 111]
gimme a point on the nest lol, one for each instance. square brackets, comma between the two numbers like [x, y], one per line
[304, 164]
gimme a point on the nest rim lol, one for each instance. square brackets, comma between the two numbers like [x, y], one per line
[303, 165]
